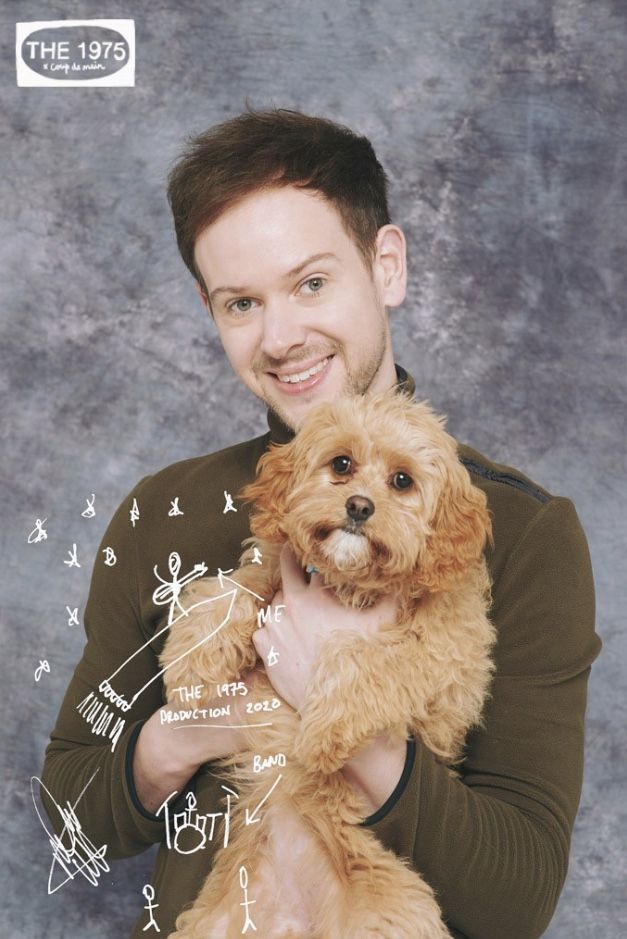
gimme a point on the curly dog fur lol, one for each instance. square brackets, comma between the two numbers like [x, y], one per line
[339, 493]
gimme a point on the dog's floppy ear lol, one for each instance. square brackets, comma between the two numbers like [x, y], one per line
[459, 530]
[268, 492]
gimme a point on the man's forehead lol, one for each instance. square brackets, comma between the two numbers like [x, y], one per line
[292, 221]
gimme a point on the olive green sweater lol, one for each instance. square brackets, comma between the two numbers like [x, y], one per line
[494, 843]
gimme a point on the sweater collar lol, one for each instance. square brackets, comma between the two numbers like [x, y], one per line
[281, 433]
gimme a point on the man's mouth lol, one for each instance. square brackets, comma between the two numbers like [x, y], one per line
[295, 382]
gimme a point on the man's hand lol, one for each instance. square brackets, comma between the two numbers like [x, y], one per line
[167, 755]
[312, 612]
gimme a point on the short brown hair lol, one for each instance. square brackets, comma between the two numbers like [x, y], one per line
[277, 147]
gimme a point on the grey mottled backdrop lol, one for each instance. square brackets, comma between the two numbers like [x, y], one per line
[502, 125]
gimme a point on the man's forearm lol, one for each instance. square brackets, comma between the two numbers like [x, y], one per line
[374, 772]
[166, 757]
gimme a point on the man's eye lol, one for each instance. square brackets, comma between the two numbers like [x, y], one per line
[235, 307]
[341, 465]
[401, 481]
[315, 284]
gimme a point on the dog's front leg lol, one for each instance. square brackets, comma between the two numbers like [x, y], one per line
[362, 686]
[211, 642]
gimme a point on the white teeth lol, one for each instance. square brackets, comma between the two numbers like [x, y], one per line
[302, 376]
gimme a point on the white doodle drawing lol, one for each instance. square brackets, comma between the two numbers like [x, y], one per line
[73, 851]
[110, 557]
[149, 893]
[73, 562]
[228, 503]
[97, 712]
[257, 556]
[251, 817]
[243, 882]
[90, 511]
[99, 716]
[170, 589]
[222, 576]
[186, 831]
[175, 509]
[38, 533]
[134, 512]
[73, 614]
[44, 666]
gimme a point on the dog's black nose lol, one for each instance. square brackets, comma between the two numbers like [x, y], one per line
[359, 508]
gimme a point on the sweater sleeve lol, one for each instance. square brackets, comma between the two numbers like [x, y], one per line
[108, 810]
[494, 843]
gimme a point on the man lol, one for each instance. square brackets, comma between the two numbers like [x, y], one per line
[282, 220]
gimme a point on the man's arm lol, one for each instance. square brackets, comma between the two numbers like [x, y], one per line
[110, 810]
[494, 844]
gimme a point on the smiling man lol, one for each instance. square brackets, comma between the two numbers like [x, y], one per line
[282, 220]
[311, 321]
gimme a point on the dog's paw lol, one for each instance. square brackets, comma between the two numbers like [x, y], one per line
[324, 752]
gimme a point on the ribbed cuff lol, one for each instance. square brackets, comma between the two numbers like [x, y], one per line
[130, 779]
[392, 799]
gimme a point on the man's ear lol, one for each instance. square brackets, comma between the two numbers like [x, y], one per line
[390, 265]
[268, 492]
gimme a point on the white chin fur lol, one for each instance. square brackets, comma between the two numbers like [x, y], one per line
[346, 550]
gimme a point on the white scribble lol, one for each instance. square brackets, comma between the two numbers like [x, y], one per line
[134, 512]
[251, 817]
[170, 590]
[110, 558]
[222, 577]
[228, 503]
[73, 614]
[149, 893]
[174, 508]
[43, 666]
[191, 825]
[273, 657]
[73, 562]
[90, 511]
[260, 763]
[99, 716]
[257, 556]
[95, 711]
[79, 855]
[243, 882]
[38, 533]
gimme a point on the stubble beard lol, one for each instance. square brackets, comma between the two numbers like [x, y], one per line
[357, 381]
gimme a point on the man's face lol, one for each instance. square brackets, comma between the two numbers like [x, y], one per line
[300, 317]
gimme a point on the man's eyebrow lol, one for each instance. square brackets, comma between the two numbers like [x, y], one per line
[321, 256]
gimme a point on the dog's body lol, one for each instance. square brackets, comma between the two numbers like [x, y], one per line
[371, 494]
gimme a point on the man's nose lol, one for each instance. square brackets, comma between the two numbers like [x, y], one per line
[282, 329]
[359, 508]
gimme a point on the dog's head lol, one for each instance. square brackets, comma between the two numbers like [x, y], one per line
[371, 492]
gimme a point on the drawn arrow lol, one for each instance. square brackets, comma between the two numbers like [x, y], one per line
[250, 816]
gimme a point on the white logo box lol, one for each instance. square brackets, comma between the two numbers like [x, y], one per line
[75, 53]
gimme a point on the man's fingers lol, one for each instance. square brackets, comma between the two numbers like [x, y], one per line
[291, 574]
[260, 642]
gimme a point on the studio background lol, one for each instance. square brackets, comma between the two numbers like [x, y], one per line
[502, 126]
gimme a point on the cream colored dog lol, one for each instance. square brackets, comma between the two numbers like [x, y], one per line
[371, 494]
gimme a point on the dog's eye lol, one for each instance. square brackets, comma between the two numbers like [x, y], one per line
[401, 481]
[341, 465]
